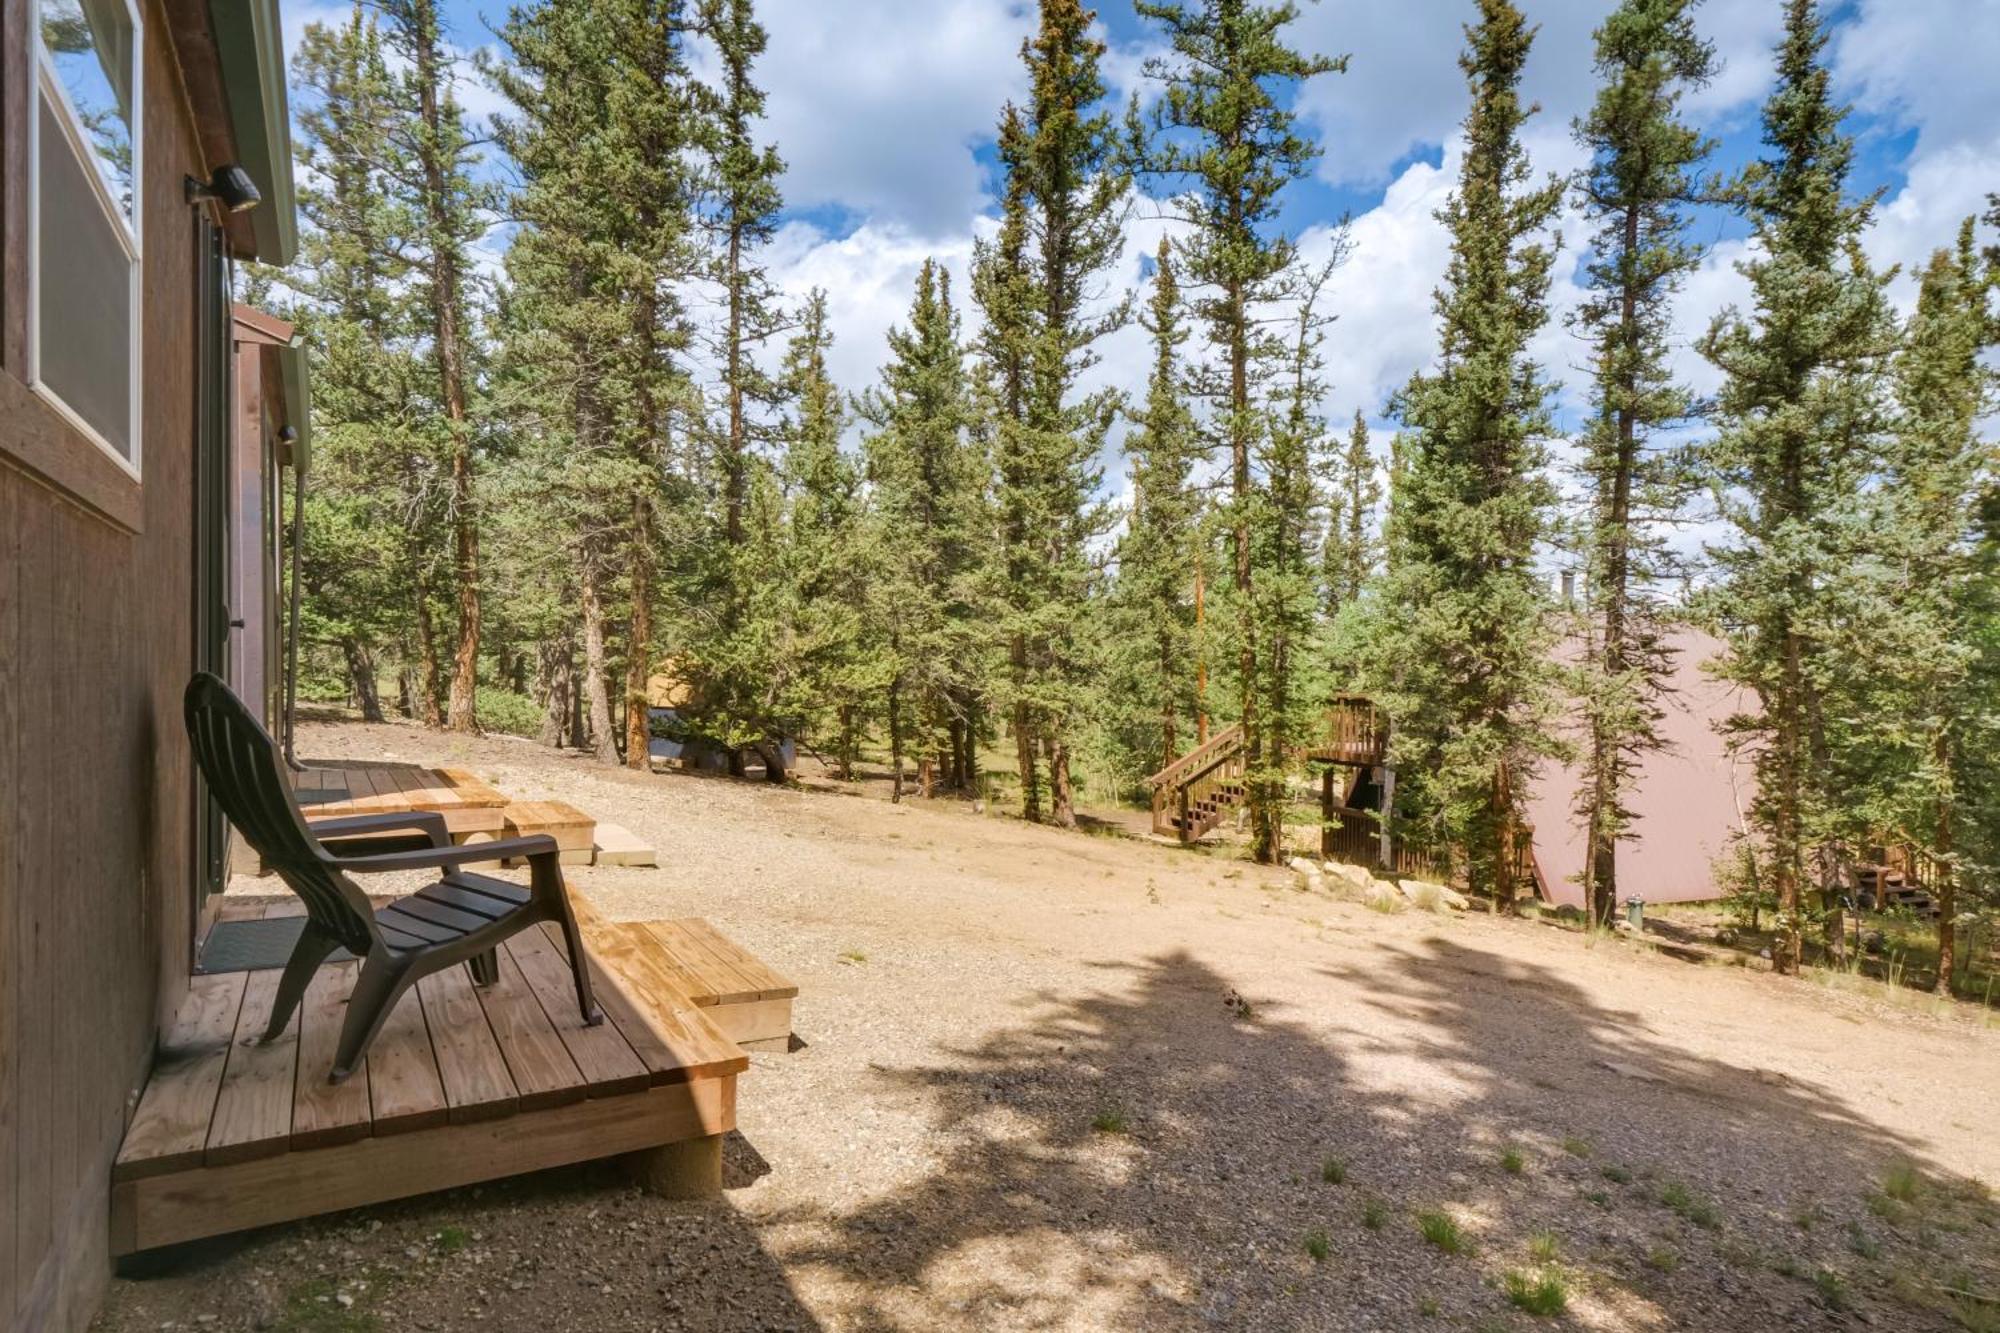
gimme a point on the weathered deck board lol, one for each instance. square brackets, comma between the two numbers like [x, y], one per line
[253, 1111]
[404, 1090]
[476, 1083]
[543, 1072]
[671, 1033]
[170, 1128]
[323, 1112]
[730, 984]
[603, 1056]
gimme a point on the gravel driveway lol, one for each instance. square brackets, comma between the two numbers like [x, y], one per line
[1056, 1081]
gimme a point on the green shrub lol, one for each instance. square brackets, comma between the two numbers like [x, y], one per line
[1318, 1244]
[506, 711]
[1333, 1171]
[1111, 1120]
[1544, 1246]
[1513, 1162]
[1374, 1214]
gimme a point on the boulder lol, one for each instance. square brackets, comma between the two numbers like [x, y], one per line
[1383, 897]
[1356, 876]
[1309, 874]
[1431, 895]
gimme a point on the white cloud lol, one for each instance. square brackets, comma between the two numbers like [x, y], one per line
[1403, 89]
[876, 104]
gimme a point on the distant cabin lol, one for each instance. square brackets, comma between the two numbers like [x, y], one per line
[1690, 801]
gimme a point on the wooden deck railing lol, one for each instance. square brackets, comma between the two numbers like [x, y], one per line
[1199, 757]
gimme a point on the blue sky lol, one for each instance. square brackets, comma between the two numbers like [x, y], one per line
[883, 111]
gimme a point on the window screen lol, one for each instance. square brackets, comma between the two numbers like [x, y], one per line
[85, 326]
[86, 232]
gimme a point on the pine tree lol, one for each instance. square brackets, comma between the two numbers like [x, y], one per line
[1065, 205]
[1292, 688]
[1642, 179]
[1225, 138]
[1928, 689]
[1461, 659]
[608, 120]
[371, 511]
[1801, 418]
[1351, 545]
[433, 167]
[1160, 550]
[930, 526]
[840, 678]
[741, 218]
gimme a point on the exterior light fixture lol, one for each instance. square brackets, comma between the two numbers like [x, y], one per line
[230, 186]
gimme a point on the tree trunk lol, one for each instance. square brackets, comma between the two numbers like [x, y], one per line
[361, 677]
[639, 648]
[555, 674]
[596, 677]
[849, 743]
[1024, 740]
[447, 319]
[896, 739]
[428, 686]
[1062, 795]
[1945, 887]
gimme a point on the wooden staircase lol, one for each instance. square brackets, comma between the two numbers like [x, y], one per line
[1198, 790]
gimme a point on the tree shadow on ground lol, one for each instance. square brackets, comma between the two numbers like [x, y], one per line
[1166, 1152]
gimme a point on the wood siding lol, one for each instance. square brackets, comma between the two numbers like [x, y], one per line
[96, 806]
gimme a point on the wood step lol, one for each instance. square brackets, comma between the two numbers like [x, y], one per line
[744, 997]
[573, 830]
[616, 845]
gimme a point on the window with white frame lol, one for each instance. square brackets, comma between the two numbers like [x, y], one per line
[85, 159]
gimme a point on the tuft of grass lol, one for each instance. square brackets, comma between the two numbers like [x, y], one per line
[1832, 1289]
[1333, 1171]
[1544, 1246]
[1542, 1292]
[1110, 1120]
[1513, 1162]
[1804, 1218]
[1617, 1175]
[1663, 1259]
[1575, 1146]
[1318, 1244]
[1441, 1229]
[1902, 1182]
[451, 1238]
[1374, 1214]
[1690, 1205]
[1388, 904]
[1598, 1197]
[1429, 1308]
[1863, 1244]
[853, 957]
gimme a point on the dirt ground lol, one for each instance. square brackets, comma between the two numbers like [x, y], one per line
[1058, 1081]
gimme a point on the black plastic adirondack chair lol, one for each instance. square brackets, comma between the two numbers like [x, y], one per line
[460, 919]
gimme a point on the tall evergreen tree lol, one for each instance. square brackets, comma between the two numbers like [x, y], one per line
[1351, 544]
[931, 528]
[1225, 139]
[1066, 196]
[1801, 419]
[1643, 176]
[1928, 688]
[840, 676]
[741, 216]
[435, 171]
[1160, 548]
[1287, 551]
[608, 119]
[1461, 661]
[370, 512]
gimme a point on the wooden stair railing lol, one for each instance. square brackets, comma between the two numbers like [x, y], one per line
[1192, 794]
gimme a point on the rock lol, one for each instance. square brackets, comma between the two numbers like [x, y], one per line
[1437, 893]
[1309, 875]
[1356, 876]
[1384, 897]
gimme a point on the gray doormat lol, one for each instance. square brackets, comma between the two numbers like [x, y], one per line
[253, 946]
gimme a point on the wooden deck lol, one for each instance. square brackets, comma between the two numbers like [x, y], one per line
[468, 803]
[465, 1083]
